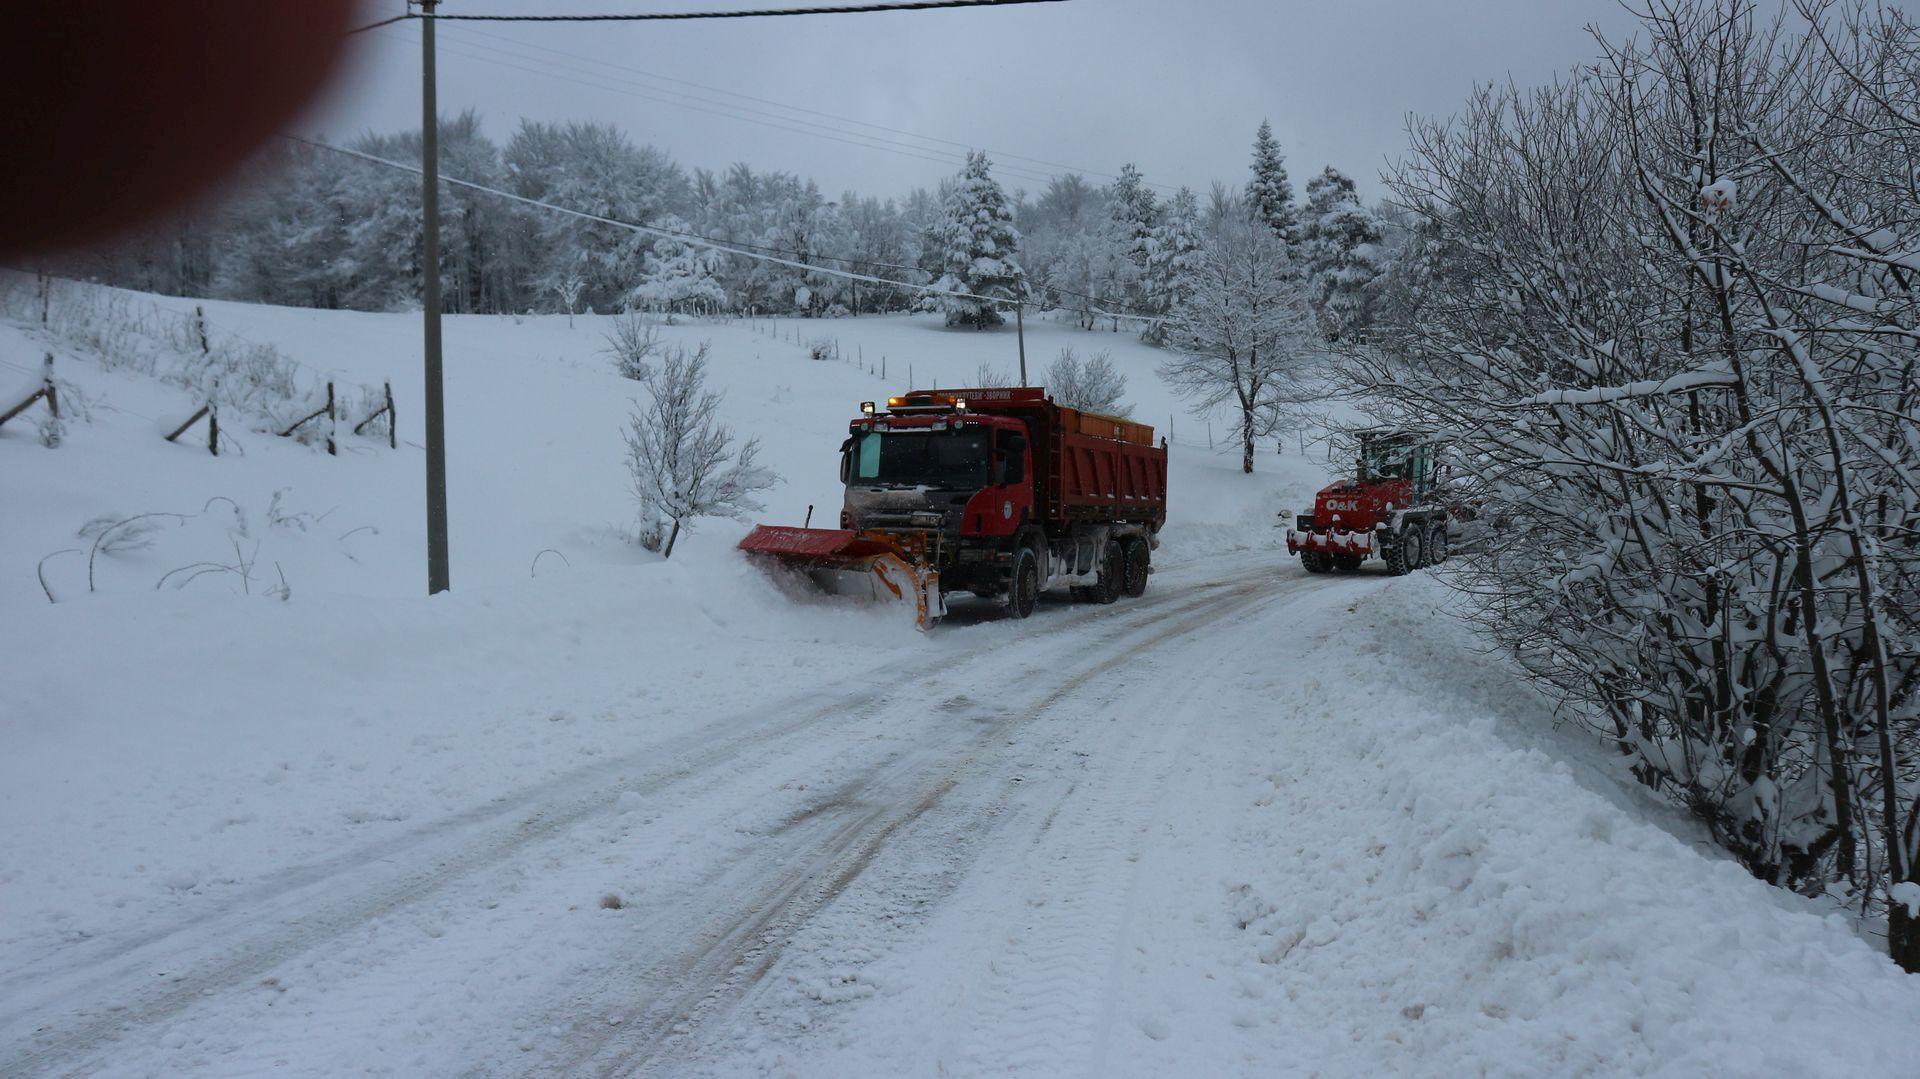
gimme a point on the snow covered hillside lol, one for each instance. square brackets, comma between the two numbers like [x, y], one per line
[268, 808]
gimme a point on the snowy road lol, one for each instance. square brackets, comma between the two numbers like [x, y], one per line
[737, 837]
[1255, 822]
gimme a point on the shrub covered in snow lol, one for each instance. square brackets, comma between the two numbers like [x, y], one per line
[1094, 385]
[681, 459]
[1693, 418]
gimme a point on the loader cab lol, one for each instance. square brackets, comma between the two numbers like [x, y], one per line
[1409, 456]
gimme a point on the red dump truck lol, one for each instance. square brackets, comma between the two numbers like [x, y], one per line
[999, 492]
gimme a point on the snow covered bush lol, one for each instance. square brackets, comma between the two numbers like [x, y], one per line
[634, 343]
[1694, 416]
[987, 374]
[681, 459]
[1094, 386]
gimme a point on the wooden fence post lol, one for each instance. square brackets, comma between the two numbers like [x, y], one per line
[393, 421]
[213, 427]
[200, 327]
[46, 390]
[331, 450]
[46, 297]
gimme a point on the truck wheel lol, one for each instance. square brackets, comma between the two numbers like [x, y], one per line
[1346, 563]
[1023, 590]
[1316, 561]
[1139, 563]
[1437, 545]
[1107, 588]
[1404, 556]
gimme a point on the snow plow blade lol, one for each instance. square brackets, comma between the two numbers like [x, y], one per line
[865, 566]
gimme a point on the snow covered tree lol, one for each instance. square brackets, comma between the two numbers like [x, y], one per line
[1173, 257]
[680, 457]
[1269, 195]
[1094, 385]
[980, 248]
[1245, 338]
[1133, 214]
[596, 169]
[1340, 247]
[680, 276]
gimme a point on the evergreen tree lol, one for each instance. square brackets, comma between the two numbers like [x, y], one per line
[1173, 257]
[1342, 250]
[1133, 214]
[981, 249]
[1268, 193]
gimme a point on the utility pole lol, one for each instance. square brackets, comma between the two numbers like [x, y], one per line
[1020, 328]
[438, 575]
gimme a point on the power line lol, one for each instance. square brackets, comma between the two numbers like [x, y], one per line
[681, 16]
[382, 22]
[758, 13]
[745, 112]
[781, 123]
[1003, 155]
[831, 132]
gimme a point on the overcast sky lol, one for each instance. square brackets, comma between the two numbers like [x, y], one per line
[1175, 87]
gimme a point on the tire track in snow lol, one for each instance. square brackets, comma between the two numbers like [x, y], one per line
[1050, 991]
[731, 956]
[73, 1003]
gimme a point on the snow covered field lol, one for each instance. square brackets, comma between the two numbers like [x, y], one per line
[594, 812]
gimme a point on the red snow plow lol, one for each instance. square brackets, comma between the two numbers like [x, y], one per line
[1391, 510]
[842, 562]
[999, 492]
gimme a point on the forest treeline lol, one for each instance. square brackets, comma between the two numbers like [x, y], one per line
[307, 226]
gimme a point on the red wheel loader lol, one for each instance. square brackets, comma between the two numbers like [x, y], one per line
[1392, 509]
[999, 492]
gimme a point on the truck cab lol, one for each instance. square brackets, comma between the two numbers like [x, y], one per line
[954, 473]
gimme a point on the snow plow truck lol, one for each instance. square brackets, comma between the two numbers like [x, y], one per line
[999, 492]
[1392, 509]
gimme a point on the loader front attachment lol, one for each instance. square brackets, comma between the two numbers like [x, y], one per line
[865, 566]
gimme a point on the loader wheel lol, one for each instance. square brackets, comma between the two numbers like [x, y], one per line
[1108, 587]
[1404, 556]
[1346, 563]
[1139, 558]
[1437, 545]
[1023, 590]
[1316, 561]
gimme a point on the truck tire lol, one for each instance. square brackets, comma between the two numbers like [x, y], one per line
[1107, 587]
[1316, 561]
[1023, 584]
[1346, 563]
[1139, 558]
[1404, 556]
[1437, 545]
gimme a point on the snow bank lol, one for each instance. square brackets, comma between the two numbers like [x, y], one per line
[1436, 895]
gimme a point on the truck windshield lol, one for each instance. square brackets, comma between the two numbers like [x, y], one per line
[922, 458]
